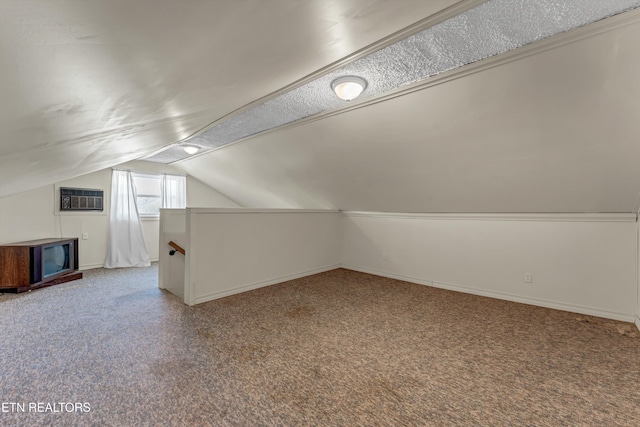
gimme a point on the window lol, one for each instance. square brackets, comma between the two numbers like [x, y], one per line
[149, 193]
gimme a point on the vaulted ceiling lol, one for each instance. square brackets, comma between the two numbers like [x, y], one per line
[550, 128]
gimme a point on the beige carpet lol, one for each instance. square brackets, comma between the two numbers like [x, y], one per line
[335, 349]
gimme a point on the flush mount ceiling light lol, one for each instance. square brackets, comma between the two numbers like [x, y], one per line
[190, 148]
[489, 29]
[348, 88]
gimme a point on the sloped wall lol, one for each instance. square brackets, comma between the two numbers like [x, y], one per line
[552, 132]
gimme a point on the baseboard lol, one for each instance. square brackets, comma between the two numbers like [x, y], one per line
[92, 266]
[261, 284]
[590, 311]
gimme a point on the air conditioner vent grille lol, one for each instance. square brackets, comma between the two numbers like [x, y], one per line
[81, 199]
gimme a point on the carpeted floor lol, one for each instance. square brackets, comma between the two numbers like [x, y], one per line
[335, 349]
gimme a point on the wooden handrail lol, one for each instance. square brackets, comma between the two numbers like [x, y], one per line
[177, 247]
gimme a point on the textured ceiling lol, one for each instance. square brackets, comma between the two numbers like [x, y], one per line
[487, 30]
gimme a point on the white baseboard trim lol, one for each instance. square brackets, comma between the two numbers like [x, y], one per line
[261, 284]
[92, 266]
[638, 322]
[590, 311]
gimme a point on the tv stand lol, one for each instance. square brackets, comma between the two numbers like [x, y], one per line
[37, 263]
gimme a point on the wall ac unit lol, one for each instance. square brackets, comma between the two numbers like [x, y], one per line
[81, 199]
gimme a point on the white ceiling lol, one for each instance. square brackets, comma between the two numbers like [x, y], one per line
[96, 83]
[90, 84]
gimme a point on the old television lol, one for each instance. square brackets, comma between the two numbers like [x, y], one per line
[36, 263]
[57, 258]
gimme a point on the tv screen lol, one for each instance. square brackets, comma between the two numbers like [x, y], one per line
[56, 259]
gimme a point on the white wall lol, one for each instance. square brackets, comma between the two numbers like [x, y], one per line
[233, 250]
[28, 216]
[36, 214]
[638, 273]
[584, 263]
[200, 195]
[96, 224]
[581, 263]
[173, 227]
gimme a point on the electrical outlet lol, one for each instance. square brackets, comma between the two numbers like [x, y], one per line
[384, 256]
[85, 236]
[528, 278]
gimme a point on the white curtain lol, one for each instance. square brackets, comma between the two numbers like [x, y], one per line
[174, 191]
[126, 247]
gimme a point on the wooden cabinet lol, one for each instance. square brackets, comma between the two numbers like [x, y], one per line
[36, 263]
